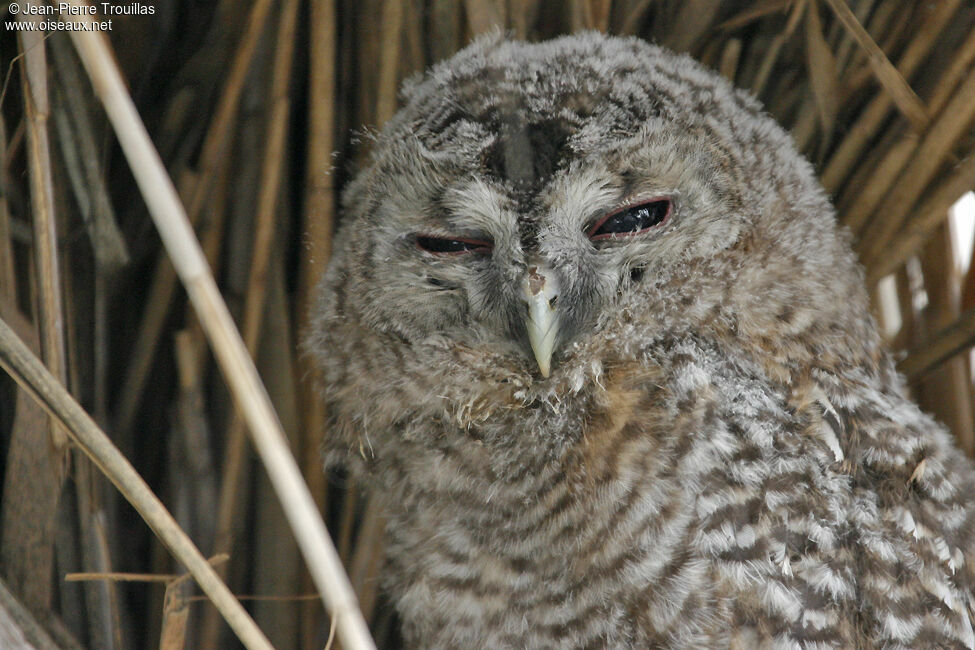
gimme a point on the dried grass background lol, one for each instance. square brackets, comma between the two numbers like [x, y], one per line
[254, 108]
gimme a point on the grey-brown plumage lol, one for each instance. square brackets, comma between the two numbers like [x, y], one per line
[592, 332]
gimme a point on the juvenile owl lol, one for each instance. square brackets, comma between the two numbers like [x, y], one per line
[591, 331]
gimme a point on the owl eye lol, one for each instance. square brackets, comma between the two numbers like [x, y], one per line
[452, 246]
[632, 220]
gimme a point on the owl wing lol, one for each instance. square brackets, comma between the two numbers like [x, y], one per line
[910, 520]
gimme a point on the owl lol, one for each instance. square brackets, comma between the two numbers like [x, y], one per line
[593, 335]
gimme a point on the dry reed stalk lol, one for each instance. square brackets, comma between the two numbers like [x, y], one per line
[367, 560]
[8, 278]
[968, 290]
[780, 39]
[942, 345]
[946, 392]
[850, 150]
[118, 576]
[949, 79]
[754, 11]
[691, 22]
[101, 603]
[589, 14]
[521, 18]
[390, 37]
[211, 240]
[821, 65]
[31, 490]
[804, 128]
[937, 143]
[192, 474]
[347, 523]
[76, 140]
[229, 349]
[163, 285]
[863, 199]
[730, 55]
[254, 304]
[50, 315]
[37, 460]
[318, 219]
[890, 78]
[632, 12]
[263, 245]
[277, 565]
[905, 301]
[445, 32]
[19, 628]
[176, 614]
[486, 15]
[842, 42]
[923, 221]
[412, 52]
[30, 374]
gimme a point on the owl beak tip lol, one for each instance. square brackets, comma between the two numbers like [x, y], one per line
[540, 291]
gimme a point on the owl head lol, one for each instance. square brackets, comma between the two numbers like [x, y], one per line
[536, 213]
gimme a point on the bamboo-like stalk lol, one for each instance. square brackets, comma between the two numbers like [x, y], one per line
[261, 249]
[890, 78]
[923, 221]
[8, 278]
[946, 392]
[51, 318]
[864, 198]
[960, 61]
[391, 30]
[229, 349]
[751, 13]
[30, 374]
[445, 28]
[940, 346]
[46, 447]
[263, 245]
[163, 284]
[176, 614]
[730, 54]
[367, 561]
[780, 39]
[631, 13]
[871, 118]
[943, 135]
[823, 80]
[485, 15]
[318, 213]
[76, 137]
[589, 14]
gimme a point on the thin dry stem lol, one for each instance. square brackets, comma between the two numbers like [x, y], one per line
[261, 249]
[229, 349]
[923, 221]
[943, 135]
[18, 361]
[866, 125]
[164, 278]
[893, 82]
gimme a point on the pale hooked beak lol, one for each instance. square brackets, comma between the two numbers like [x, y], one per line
[540, 288]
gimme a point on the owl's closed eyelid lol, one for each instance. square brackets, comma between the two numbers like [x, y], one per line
[451, 244]
[648, 214]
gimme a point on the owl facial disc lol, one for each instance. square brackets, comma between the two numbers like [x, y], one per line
[540, 289]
